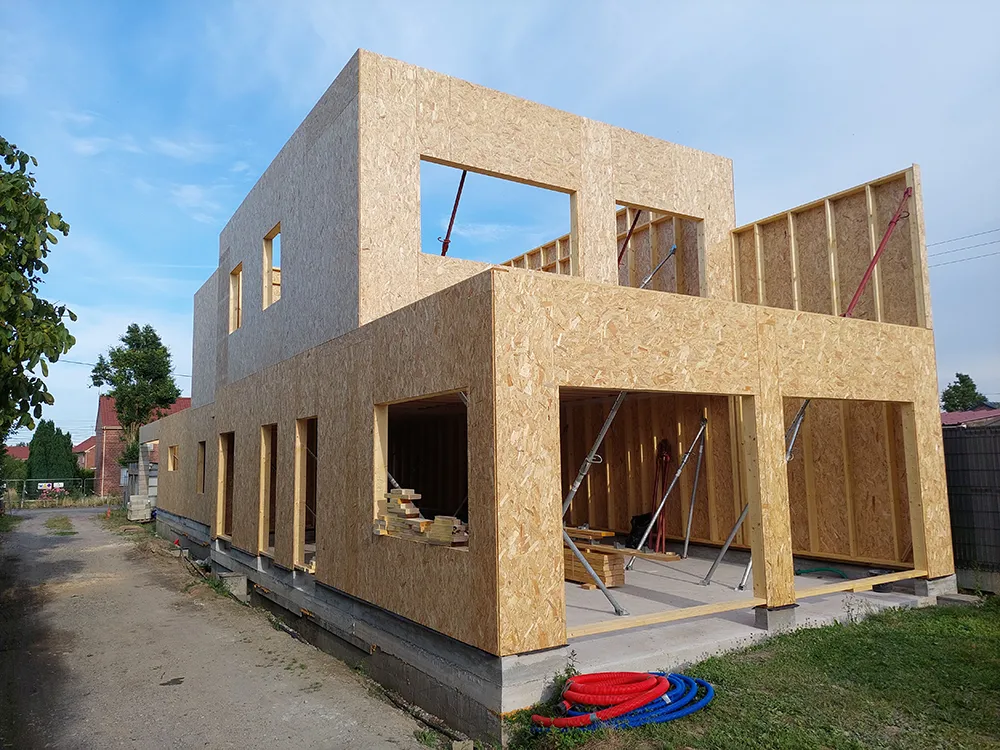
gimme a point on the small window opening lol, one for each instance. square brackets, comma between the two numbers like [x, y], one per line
[272, 266]
[236, 298]
[306, 487]
[268, 486]
[172, 458]
[200, 475]
[662, 247]
[227, 468]
[497, 219]
[427, 455]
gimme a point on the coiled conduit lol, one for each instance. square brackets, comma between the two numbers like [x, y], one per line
[626, 699]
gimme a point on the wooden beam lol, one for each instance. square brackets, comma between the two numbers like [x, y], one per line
[860, 584]
[810, 472]
[626, 552]
[888, 441]
[794, 255]
[588, 533]
[758, 247]
[873, 246]
[679, 261]
[914, 491]
[624, 623]
[831, 239]
[920, 277]
[848, 488]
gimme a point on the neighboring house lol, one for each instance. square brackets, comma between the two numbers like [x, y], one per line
[108, 444]
[978, 417]
[20, 452]
[86, 453]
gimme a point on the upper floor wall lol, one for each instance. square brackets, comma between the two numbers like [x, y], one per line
[344, 192]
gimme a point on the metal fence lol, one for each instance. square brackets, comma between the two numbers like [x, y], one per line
[972, 461]
[48, 493]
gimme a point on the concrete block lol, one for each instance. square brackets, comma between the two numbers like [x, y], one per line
[236, 584]
[958, 600]
[935, 586]
[777, 620]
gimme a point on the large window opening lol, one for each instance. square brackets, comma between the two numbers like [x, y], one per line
[227, 468]
[662, 244]
[272, 266]
[306, 488]
[497, 218]
[268, 486]
[427, 456]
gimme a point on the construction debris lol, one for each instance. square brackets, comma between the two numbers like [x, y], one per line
[399, 517]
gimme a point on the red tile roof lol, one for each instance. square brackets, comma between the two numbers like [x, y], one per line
[107, 417]
[952, 418]
[86, 445]
[20, 452]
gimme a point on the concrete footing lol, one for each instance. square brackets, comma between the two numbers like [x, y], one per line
[936, 586]
[236, 584]
[959, 600]
[776, 620]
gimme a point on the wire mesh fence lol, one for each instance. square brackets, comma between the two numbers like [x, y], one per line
[972, 462]
[50, 493]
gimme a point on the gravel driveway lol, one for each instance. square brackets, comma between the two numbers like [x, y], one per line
[106, 643]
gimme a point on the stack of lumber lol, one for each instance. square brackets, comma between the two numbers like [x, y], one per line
[609, 568]
[399, 517]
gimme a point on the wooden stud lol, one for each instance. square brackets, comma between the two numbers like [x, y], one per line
[858, 585]
[758, 246]
[920, 278]
[918, 530]
[793, 252]
[810, 471]
[679, 259]
[876, 281]
[848, 491]
[888, 440]
[831, 237]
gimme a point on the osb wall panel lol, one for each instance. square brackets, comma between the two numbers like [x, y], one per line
[871, 480]
[439, 344]
[436, 272]
[796, 248]
[898, 274]
[408, 113]
[776, 257]
[177, 490]
[812, 249]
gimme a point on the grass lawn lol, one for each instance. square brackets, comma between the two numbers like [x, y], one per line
[60, 526]
[927, 678]
[9, 522]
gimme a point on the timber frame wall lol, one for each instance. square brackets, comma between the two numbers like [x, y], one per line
[365, 320]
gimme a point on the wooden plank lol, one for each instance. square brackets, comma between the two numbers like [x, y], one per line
[588, 533]
[627, 552]
[921, 281]
[876, 280]
[857, 585]
[831, 239]
[625, 623]
[793, 252]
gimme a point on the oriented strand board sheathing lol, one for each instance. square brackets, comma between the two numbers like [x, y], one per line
[746, 260]
[776, 255]
[813, 254]
[897, 275]
[690, 238]
[826, 433]
[854, 253]
[900, 484]
[871, 483]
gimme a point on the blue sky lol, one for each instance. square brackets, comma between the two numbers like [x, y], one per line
[151, 121]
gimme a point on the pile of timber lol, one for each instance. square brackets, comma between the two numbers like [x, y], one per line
[399, 517]
[610, 568]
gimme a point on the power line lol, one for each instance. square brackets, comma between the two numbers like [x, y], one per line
[960, 249]
[962, 260]
[92, 364]
[968, 236]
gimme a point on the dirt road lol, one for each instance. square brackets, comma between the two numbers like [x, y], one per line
[106, 644]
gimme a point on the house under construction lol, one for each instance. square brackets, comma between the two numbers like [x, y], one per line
[363, 365]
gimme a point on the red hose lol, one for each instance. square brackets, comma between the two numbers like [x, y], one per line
[621, 692]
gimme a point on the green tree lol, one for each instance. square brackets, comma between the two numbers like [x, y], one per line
[51, 455]
[32, 330]
[138, 375]
[12, 468]
[962, 395]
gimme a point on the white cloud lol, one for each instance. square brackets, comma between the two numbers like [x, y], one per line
[90, 146]
[240, 166]
[185, 150]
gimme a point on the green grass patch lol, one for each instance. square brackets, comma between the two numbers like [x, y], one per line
[9, 522]
[903, 679]
[60, 526]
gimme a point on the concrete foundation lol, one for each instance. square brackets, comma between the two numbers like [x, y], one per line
[959, 600]
[471, 689]
[778, 620]
[978, 580]
[936, 586]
